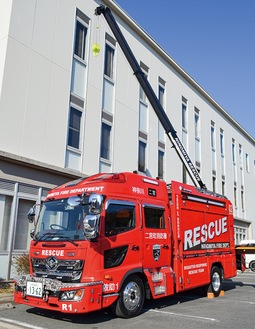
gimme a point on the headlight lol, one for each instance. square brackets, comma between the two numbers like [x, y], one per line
[72, 295]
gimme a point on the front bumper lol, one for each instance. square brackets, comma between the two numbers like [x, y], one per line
[57, 296]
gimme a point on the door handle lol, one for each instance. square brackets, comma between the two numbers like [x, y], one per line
[165, 246]
[134, 247]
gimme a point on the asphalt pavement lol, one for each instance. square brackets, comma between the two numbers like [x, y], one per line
[234, 310]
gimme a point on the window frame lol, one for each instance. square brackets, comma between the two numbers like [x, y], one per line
[184, 115]
[161, 98]
[105, 151]
[120, 230]
[161, 155]
[142, 145]
[82, 58]
[109, 61]
[155, 208]
[69, 128]
[197, 131]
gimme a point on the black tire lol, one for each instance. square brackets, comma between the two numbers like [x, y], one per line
[215, 285]
[131, 298]
[252, 265]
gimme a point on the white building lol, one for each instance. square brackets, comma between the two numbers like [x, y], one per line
[65, 113]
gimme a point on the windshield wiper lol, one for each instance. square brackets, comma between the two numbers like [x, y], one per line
[67, 238]
[43, 236]
[55, 235]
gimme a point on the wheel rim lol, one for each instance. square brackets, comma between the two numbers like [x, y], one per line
[131, 296]
[216, 281]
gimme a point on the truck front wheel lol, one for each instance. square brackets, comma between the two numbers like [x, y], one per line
[216, 281]
[252, 265]
[131, 298]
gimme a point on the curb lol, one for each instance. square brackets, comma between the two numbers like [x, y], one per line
[6, 301]
[6, 297]
[6, 306]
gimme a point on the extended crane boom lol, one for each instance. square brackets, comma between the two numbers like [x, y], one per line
[141, 77]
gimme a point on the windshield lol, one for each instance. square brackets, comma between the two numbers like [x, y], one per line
[60, 221]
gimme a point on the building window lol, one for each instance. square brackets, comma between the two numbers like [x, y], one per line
[160, 164]
[73, 158]
[221, 142]
[161, 97]
[213, 147]
[247, 162]
[108, 83]
[161, 93]
[212, 135]
[234, 159]
[78, 79]
[240, 234]
[142, 94]
[233, 151]
[142, 157]
[105, 141]
[223, 187]
[241, 164]
[80, 40]
[79, 58]
[235, 197]
[184, 114]
[5, 214]
[241, 155]
[242, 199]
[143, 104]
[74, 128]
[222, 152]
[108, 61]
[214, 184]
[22, 238]
[197, 136]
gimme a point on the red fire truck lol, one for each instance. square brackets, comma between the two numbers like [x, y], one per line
[114, 239]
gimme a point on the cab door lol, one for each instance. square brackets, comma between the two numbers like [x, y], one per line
[156, 237]
[121, 247]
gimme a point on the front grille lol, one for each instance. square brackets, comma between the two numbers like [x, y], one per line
[54, 268]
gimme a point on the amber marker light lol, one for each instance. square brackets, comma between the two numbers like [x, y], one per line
[108, 277]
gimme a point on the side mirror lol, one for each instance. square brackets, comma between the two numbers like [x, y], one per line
[95, 203]
[31, 214]
[73, 201]
[32, 233]
[91, 225]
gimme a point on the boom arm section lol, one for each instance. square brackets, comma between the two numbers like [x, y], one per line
[142, 79]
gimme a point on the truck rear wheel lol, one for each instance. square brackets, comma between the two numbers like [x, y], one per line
[216, 281]
[131, 298]
[252, 265]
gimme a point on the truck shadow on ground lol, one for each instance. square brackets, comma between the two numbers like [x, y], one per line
[107, 315]
[230, 284]
[159, 304]
[87, 318]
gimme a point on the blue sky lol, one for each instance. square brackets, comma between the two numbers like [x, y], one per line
[213, 41]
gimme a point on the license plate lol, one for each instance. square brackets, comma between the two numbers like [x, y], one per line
[34, 289]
